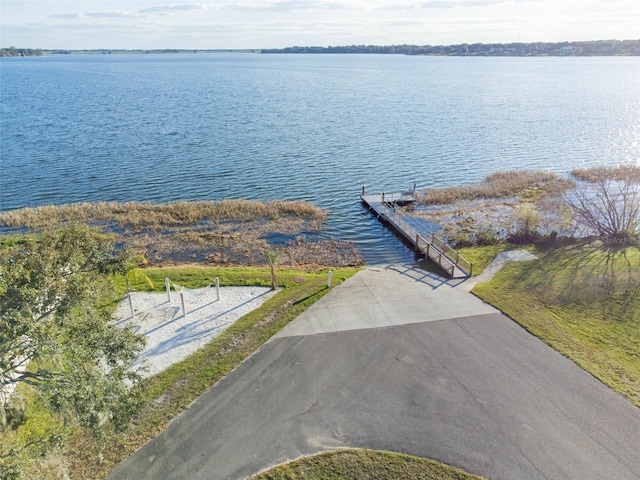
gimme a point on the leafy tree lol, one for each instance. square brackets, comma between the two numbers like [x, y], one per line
[56, 331]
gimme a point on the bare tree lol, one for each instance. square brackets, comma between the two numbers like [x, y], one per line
[608, 207]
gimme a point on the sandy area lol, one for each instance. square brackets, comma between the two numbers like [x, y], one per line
[172, 336]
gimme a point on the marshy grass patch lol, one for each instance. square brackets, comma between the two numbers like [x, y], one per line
[212, 232]
[598, 174]
[487, 213]
[512, 183]
[154, 216]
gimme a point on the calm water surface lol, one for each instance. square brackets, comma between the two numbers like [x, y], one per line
[306, 127]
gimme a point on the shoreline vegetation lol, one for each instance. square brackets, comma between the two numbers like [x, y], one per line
[517, 49]
[525, 206]
[226, 232]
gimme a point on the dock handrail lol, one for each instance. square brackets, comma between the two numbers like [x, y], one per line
[448, 258]
[426, 242]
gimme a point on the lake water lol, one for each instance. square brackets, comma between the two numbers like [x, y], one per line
[162, 128]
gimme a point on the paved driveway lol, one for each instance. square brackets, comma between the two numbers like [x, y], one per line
[475, 391]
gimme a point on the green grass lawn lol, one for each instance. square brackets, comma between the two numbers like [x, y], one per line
[583, 300]
[359, 464]
[198, 276]
[481, 257]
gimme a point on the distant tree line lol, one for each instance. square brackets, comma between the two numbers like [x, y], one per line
[587, 48]
[558, 49]
[20, 52]
[30, 52]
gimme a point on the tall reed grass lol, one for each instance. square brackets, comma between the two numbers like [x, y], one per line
[134, 215]
[498, 185]
[623, 173]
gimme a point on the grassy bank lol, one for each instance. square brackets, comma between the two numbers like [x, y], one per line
[164, 396]
[583, 300]
[363, 464]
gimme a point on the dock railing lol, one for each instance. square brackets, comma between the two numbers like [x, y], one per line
[425, 242]
[450, 253]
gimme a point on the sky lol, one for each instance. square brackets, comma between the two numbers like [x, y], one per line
[252, 24]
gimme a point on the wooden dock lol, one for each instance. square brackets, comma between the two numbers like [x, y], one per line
[426, 243]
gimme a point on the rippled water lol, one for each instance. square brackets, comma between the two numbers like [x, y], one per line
[306, 127]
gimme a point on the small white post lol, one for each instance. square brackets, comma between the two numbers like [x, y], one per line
[218, 288]
[131, 305]
[168, 288]
[329, 275]
[184, 310]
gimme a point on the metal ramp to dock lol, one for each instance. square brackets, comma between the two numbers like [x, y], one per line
[426, 243]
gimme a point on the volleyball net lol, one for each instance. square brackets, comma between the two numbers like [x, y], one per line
[192, 293]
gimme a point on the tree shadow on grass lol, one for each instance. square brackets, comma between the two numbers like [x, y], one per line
[581, 273]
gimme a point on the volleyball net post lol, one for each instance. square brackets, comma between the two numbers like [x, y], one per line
[184, 309]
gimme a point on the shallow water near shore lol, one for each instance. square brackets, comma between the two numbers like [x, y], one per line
[163, 128]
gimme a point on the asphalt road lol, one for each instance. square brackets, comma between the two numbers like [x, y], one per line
[477, 392]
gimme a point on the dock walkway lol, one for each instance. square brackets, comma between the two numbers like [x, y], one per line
[426, 243]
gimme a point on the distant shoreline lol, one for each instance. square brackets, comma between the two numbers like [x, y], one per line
[596, 48]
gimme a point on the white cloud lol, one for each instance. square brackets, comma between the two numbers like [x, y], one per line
[66, 16]
[153, 11]
[292, 6]
[173, 8]
[112, 14]
[448, 4]
[77, 24]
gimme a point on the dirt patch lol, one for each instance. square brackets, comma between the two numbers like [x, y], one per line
[245, 246]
